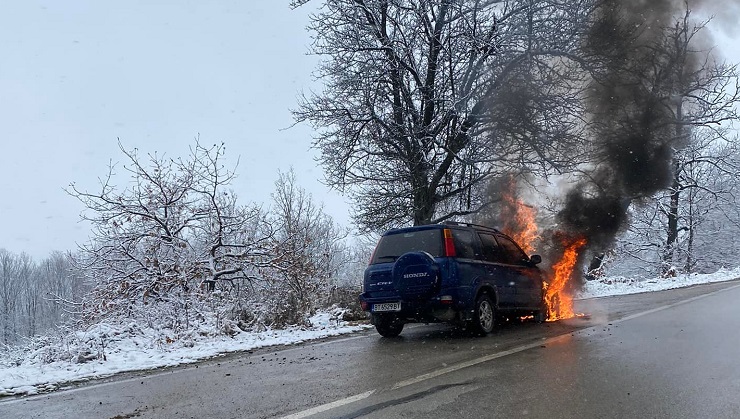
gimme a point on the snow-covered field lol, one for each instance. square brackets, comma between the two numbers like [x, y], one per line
[113, 349]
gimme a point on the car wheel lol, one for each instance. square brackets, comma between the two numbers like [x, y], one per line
[388, 327]
[484, 318]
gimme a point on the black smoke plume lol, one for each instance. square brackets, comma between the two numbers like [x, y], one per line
[633, 136]
[631, 112]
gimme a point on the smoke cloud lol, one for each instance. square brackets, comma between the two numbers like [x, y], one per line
[633, 114]
[633, 140]
[633, 117]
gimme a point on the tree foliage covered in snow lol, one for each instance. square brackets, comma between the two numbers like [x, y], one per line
[309, 250]
[175, 246]
[173, 249]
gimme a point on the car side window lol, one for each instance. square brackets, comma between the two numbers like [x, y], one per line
[464, 243]
[491, 252]
[514, 255]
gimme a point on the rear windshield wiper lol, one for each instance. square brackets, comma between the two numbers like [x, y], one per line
[391, 257]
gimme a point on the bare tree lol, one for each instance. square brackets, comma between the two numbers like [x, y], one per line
[35, 297]
[31, 294]
[701, 95]
[10, 288]
[309, 248]
[662, 107]
[705, 213]
[424, 101]
[704, 97]
[64, 288]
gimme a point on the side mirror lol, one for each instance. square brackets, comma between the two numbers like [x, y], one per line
[535, 259]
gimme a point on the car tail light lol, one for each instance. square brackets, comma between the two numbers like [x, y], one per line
[449, 243]
[364, 305]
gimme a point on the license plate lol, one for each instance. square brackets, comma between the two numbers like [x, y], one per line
[387, 307]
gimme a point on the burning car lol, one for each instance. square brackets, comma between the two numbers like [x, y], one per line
[459, 273]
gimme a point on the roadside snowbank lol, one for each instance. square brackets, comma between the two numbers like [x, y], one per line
[604, 287]
[108, 349]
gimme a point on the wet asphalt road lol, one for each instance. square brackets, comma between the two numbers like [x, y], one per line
[672, 354]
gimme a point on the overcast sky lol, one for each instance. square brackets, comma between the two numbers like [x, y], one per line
[77, 75]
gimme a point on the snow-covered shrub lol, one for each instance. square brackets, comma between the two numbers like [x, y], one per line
[174, 250]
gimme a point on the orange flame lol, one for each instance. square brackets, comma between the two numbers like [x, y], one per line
[520, 223]
[559, 301]
[526, 234]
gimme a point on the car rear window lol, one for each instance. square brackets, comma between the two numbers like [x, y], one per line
[391, 246]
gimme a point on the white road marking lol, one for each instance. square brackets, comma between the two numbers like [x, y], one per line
[476, 361]
[480, 360]
[329, 406]
[677, 303]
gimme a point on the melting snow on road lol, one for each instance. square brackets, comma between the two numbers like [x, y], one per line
[116, 349]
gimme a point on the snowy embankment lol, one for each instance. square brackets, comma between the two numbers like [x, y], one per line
[105, 349]
[608, 286]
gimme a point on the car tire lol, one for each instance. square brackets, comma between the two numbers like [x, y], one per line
[484, 316]
[388, 327]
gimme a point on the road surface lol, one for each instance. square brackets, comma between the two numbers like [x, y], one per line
[669, 354]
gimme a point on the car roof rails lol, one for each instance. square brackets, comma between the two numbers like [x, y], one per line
[458, 223]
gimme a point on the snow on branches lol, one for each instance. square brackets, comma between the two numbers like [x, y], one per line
[172, 233]
[174, 246]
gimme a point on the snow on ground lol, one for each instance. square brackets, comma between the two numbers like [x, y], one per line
[114, 349]
[620, 285]
[132, 347]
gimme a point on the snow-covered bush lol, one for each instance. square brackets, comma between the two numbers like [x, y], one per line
[174, 248]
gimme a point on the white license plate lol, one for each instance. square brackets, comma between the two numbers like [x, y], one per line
[387, 307]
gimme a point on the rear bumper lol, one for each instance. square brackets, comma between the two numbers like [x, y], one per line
[435, 309]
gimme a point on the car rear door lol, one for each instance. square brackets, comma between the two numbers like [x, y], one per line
[497, 274]
[385, 278]
[469, 271]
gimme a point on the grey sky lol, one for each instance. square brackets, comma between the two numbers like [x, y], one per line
[76, 75]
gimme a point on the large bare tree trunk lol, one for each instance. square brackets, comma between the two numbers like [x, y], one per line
[672, 229]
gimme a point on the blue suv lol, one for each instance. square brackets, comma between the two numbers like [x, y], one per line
[453, 272]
